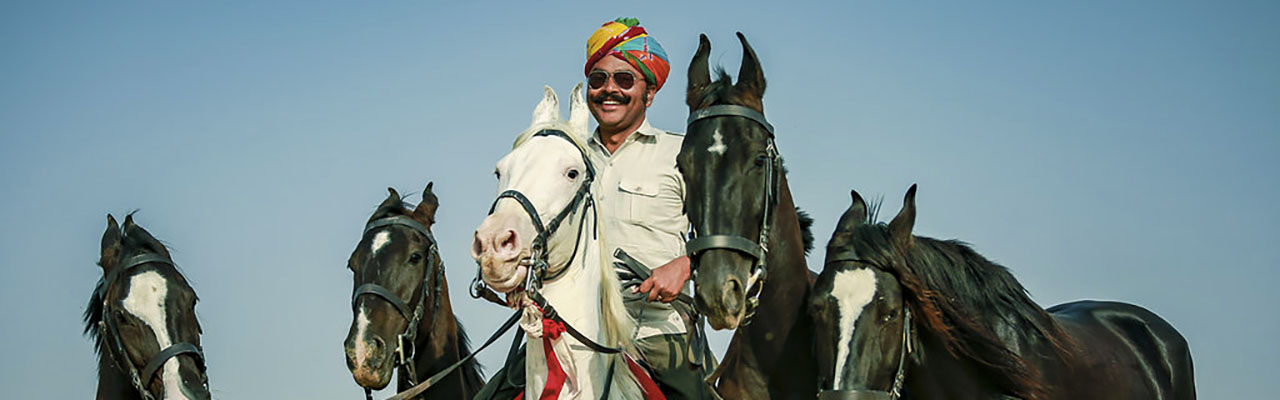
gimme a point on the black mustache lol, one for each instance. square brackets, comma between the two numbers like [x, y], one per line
[618, 97]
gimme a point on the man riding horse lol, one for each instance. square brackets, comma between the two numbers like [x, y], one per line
[640, 197]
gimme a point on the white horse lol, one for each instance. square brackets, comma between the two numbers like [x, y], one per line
[550, 171]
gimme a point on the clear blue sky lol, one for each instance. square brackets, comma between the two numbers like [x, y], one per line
[1100, 150]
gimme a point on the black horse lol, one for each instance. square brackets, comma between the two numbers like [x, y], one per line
[142, 320]
[400, 305]
[903, 314]
[748, 253]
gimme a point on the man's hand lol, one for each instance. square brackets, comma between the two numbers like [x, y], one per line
[667, 281]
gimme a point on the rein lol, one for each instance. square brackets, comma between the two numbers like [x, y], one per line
[758, 250]
[109, 330]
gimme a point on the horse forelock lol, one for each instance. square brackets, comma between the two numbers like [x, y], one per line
[959, 296]
[722, 91]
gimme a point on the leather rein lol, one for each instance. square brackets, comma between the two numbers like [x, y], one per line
[109, 330]
[758, 250]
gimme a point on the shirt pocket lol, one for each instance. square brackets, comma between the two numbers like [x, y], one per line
[640, 200]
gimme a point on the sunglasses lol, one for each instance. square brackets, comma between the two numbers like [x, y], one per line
[624, 79]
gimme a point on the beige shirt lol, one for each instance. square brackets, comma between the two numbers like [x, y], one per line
[640, 195]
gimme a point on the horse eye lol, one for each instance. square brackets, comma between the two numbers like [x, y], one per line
[414, 258]
[760, 161]
[573, 174]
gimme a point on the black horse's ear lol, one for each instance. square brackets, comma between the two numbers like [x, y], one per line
[699, 73]
[750, 76]
[856, 214]
[427, 208]
[111, 247]
[139, 237]
[902, 224]
[393, 199]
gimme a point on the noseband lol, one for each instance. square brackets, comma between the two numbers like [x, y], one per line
[109, 330]
[405, 340]
[758, 249]
[899, 378]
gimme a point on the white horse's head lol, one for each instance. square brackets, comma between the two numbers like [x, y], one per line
[548, 170]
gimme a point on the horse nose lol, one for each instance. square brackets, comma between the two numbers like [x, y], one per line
[503, 244]
[369, 355]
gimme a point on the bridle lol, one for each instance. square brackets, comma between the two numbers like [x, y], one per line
[405, 349]
[538, 260]
[758, 249]
[109, 331]
[899, 378]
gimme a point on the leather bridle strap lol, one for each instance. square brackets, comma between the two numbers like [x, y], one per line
[549, 312]
[426, 384]
[700, 243]
[160, 358]
[378, 290]
[730, 110]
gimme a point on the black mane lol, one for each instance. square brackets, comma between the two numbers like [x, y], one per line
[472, 372]
[962, 297]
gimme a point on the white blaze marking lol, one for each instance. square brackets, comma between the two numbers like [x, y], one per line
[380, 240]
[146, 301]
[718, 147]
[362, 324]
[852, 290]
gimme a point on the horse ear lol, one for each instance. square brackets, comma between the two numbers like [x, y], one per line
[750, 76]
[393, 199]
[900, 227]
[548, 110]
[856, 214]
[578, 113]
[427, 208]
[111, 247]
[699, 74]
[137, 236]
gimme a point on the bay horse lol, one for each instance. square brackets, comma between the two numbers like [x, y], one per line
[903, 315]
[749, 241]
[547, 176]
[142, 320]
[402, 317]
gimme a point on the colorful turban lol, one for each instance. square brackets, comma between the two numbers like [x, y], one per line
[626, 39]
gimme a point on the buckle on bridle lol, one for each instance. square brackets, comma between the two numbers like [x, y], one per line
[404, 349]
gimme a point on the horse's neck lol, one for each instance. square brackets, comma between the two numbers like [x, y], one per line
[934, 372]
[441, 348]
[784, 295]
[112, 383]
[576, 292]
[777, 351]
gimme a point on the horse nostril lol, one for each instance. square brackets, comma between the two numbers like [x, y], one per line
[508, 241]
[477, 245]
[732, 296]
[378, 344]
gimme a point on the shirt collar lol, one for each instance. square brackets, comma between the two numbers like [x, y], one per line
[645, 129]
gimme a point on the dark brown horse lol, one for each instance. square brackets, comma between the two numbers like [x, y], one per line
[932, 319]
[142, 320]
[749, 251]
[400, 302]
